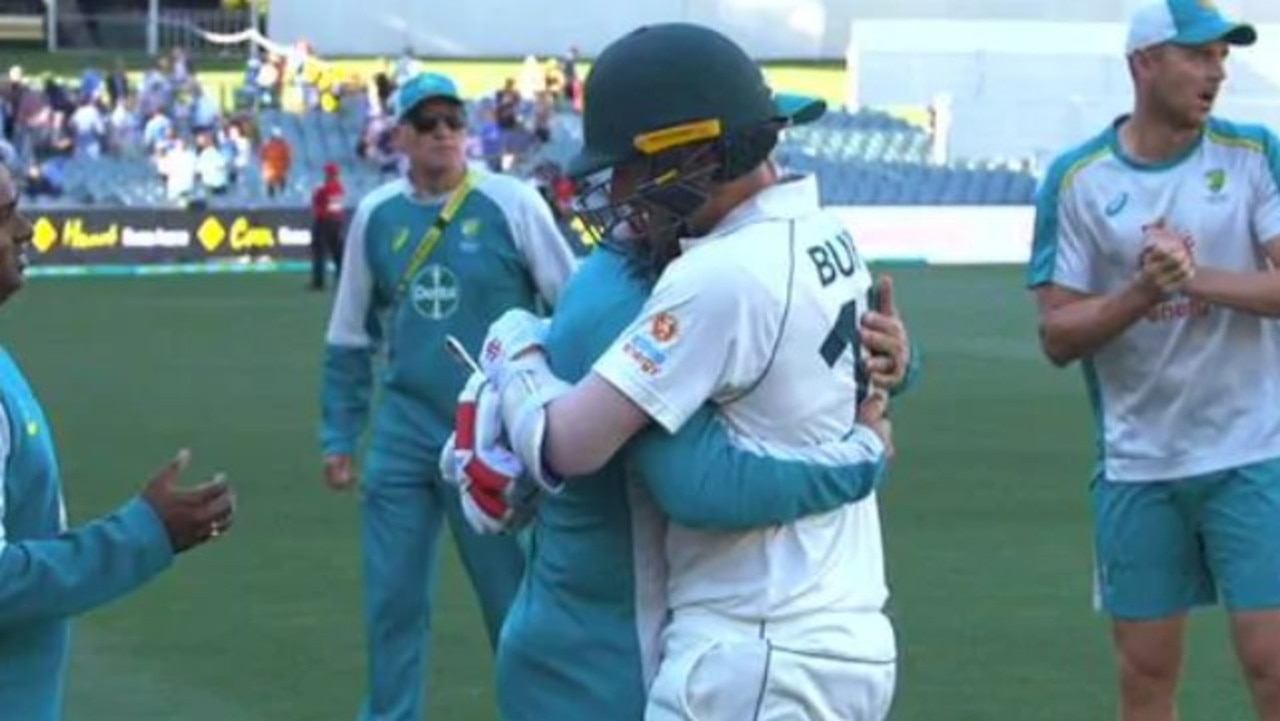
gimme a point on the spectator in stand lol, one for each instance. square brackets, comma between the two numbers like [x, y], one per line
[270, 79]
[157, 86]
[205, 113]
[554, 79]
[211, 165]
[180, 112]
[377, 145]
[490, 139]
[123, 130]
[178, 166]
[277, 159]
[58, 99]
[328, 215]
[405, 67]
[13, 91]
[157, 131]
[542, 111]
[302, 67]
[238, 151]
[88, 129]
[507, 113]
[533, 79]
[182, 72]
[23, 111]
[45, 178]
[92, 85]
[49, 132]
[118, 84]
[572, 90]
[507, 105]
[383, 89]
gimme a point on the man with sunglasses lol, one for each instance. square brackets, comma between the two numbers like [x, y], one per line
[442, 251]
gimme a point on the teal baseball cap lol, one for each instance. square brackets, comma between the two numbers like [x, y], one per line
[799, 109]
[421, 88]
[1185, 22]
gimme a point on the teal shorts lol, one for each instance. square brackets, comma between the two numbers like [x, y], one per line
[1166, 547]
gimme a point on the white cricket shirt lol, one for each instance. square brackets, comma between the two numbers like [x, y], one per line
[759, 316]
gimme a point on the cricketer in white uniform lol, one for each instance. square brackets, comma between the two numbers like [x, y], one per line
[754, 312]
[759, 314]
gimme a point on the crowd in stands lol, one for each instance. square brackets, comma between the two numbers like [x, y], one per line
[201, 147]
[510, 124]
[167, 117]
[265, 138]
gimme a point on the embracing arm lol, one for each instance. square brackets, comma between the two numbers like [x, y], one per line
[700, 478]
[697, 330]
[587, 426]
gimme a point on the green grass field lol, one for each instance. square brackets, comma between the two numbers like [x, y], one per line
[986, 515]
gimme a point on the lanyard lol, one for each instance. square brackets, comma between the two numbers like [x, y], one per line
[432, 237]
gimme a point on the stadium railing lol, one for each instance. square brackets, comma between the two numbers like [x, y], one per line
[22, 28]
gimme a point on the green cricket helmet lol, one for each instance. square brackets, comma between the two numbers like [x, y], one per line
[685, 107]
[664, 86]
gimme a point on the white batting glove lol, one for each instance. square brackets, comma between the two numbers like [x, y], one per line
[514, 332]
[525, 385]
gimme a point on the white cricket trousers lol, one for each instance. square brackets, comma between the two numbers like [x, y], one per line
[823, 667]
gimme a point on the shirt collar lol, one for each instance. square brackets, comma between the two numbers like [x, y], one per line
[791, 197]
[423, 198]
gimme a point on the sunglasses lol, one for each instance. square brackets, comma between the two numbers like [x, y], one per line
[427, 123]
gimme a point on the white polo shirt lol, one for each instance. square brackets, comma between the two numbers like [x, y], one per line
[1192, 388]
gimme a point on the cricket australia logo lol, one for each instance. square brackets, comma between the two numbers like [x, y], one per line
[435, 293]
[1216, 180]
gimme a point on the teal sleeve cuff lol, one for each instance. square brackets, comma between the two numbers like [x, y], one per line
[82, 569]
[912, 375]
[155, 548]
[345, 398]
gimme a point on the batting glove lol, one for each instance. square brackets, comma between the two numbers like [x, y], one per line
[495, 493]
[512, 334]
[525, 385]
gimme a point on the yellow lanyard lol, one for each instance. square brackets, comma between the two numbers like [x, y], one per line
[433, 235]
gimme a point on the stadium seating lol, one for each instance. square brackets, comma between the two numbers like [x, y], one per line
[870, 158]
[874, 158]
[862, 158]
